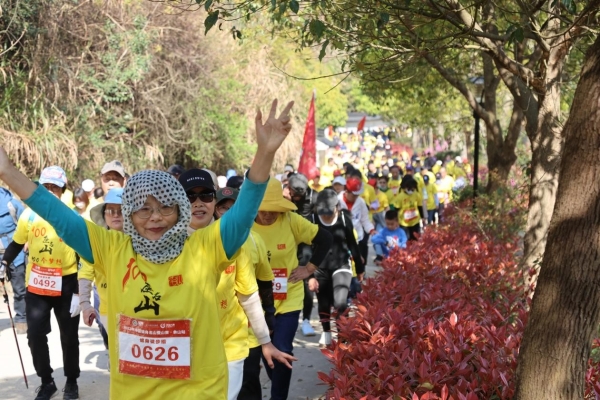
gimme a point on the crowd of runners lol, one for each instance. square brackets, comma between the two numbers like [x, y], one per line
[194, 278]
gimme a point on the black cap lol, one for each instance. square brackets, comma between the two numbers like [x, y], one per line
[176, 169]
[298, 183]
[196, 178]
[227, 193]
[235, 182]
[327, 202]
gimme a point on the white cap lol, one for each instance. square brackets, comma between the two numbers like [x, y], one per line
[88, 185]
[439, 162]
[458, 159]
[339, 179]
[222, 181]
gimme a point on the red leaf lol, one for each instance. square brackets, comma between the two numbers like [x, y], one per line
[453, 319]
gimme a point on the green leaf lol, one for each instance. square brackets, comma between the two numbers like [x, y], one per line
[294, 6]
[323, 50]
[238, 34]
[207, 4]
[515, 33]
[570, 6]
[316, 28]
[210, 21]
[384, 17]
[273, 5]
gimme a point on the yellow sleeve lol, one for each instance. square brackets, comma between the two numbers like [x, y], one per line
[86, 271]
[245, 280]
[304, 231]
[22, 232]
[209, 240]
[385, 203]
[263, 266]
[102, 241]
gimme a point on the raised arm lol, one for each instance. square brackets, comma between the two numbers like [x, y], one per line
[236, 223]
[69, 226]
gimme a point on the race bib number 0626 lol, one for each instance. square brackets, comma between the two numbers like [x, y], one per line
[154, 348]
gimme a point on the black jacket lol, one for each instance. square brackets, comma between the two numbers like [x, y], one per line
[344, 243]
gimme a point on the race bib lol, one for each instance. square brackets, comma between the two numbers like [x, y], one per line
[410, 214]
[45, 281]
[154, 348]
[280, 283]
[375, 205]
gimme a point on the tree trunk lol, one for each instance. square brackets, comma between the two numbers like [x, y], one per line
[565, 312]
[501, 152]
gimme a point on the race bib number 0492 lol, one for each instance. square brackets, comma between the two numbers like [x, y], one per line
[45, 281]
[154, 348]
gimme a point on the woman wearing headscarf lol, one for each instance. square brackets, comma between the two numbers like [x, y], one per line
[162, 309]
[282, 231]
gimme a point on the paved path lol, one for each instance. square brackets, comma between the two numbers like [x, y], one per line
[94, 380]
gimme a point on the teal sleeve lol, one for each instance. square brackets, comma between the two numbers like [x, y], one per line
[69, 226]
[236, 223]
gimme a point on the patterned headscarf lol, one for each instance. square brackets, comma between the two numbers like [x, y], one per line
[167, 190]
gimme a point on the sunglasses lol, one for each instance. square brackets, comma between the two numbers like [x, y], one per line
[205, 197]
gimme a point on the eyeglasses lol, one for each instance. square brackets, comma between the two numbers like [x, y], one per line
[146, 212]
[114, 213]
[205, 197]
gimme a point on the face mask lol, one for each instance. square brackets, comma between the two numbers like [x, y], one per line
[382, 187]
[410, 191]
[80, 205]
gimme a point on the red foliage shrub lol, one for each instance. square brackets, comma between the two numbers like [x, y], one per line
[442, 320]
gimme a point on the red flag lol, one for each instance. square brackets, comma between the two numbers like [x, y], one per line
[308, 159]
[361, 124]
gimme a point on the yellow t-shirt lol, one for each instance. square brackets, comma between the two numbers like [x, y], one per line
[445, 189]
[369, 196]
[381, 201]
[97, 274]
[177, 293]
[46, 248]
[67, 198]
[237, 278]
[258, 255]
[327, 173]
[393, 187]
[281, 240]
[430, 190]
[406, 204]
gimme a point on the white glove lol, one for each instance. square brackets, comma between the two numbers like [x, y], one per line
[89, 313]
[75, 309]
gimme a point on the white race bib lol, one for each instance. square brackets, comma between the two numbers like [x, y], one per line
[154, 348]
[45, 281]
[280, 283]
[410, 214]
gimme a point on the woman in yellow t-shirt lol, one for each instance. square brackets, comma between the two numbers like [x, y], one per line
[162, 309]
[51, 279]
[282, 231]
[237, 292]
[259, 263]
[407, 202]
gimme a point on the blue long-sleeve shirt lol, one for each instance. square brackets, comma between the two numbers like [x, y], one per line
[235, 224]
[390, 239]
[7, 222]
